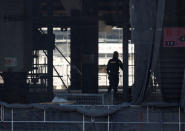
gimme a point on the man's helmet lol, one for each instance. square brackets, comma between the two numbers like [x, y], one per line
[115, 54]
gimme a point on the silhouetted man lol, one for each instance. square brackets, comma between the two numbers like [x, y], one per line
[113, 71]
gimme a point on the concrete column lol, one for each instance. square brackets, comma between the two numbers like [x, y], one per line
[126, 37]
[76, 57]
[50, 55]
[50, 62]
[84, 48]
[90, 55]
[84, 54]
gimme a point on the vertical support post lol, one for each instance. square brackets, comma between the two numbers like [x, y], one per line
[44, 115]
[50, 54]
[1, 113]
[106, 79]
[50, 62]
[90, 55]
[108, 121]
[67, 55]
[83, 122]
[147, 115]
[179, 119]
[76, 53]
[12, 121]
[84, 54]
[84, 48]
[125, 63]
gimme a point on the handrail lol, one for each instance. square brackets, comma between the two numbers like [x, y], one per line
[57, 72]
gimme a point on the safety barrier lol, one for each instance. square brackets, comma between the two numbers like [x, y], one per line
[133, 118]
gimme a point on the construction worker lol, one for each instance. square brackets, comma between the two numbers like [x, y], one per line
[113, 71]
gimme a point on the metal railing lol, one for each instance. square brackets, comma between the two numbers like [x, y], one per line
[142, 119]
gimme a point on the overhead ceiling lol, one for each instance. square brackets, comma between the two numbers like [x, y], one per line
[112, 12]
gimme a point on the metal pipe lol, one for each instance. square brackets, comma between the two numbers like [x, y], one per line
[62, 55]
[73, 66]
[57, 73]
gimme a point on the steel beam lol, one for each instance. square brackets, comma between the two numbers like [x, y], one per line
[125, 64]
